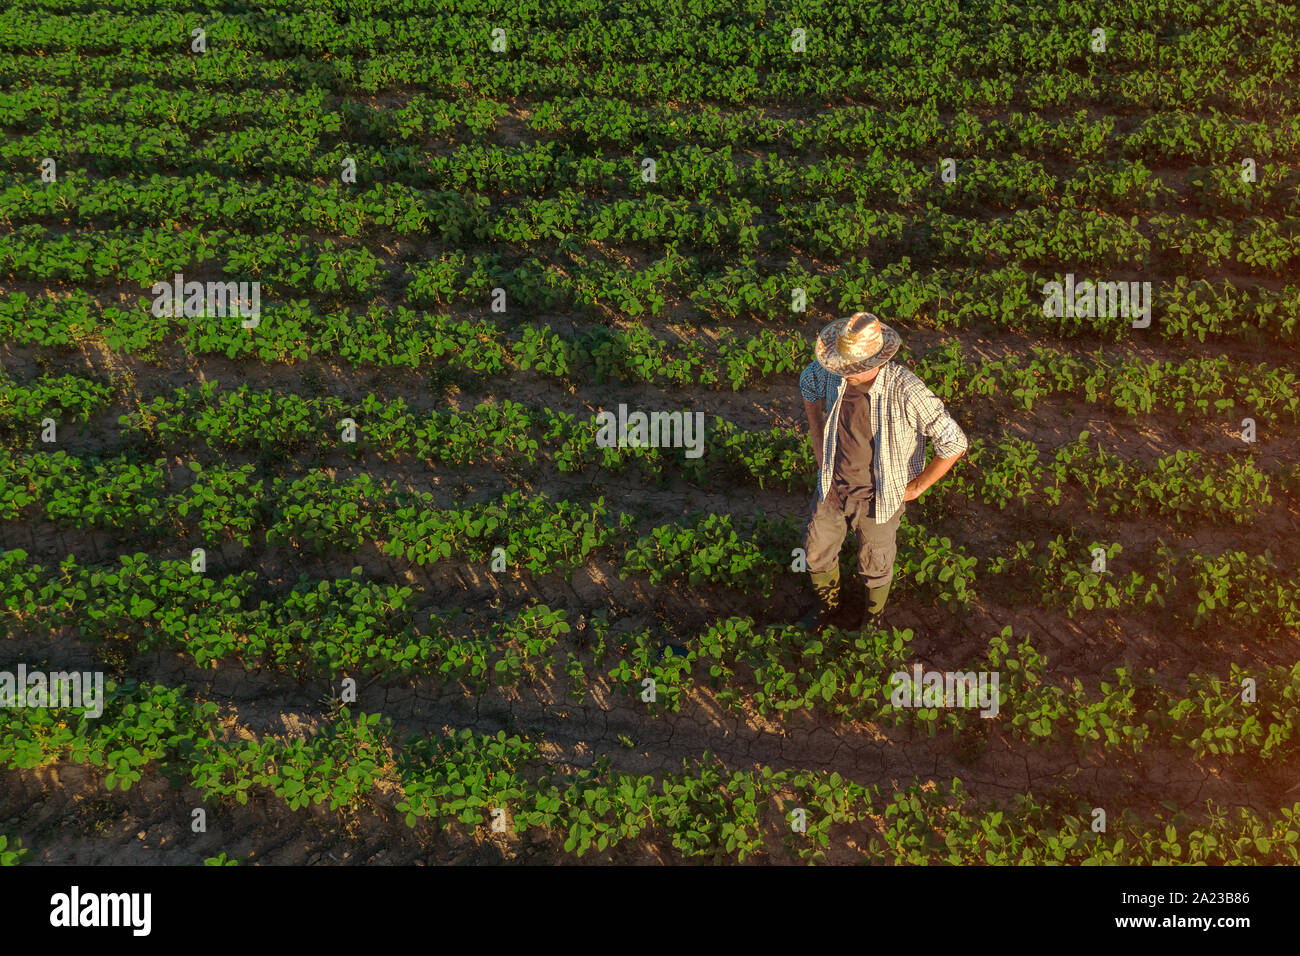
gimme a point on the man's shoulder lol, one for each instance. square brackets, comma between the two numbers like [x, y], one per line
[814, 378]
[903, 378]
[905, 391]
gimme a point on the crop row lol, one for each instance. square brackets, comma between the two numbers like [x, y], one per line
[944, 299]
[1171, 133]
[325, 628]
[849, 675]
[1252, 591]
[328, 629]
[464, 181]
[519, 438]
[299, 121]
[468, 781]
[320, 629]
[1182, 485]
[1078, 239]
[1170, 136]
[735, 63]
[1107, 170]
[1207, 385]
[1240, 20]
[316, 513]
[511, 435]
[1000, 47]
[1081, 240]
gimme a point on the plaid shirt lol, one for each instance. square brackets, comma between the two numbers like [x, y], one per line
[904, 412]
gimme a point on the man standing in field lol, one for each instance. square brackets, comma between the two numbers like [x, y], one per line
[868, 420]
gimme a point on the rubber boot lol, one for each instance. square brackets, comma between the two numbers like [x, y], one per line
[826, 585]
[871, 613]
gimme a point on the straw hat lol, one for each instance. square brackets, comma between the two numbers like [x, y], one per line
[856, 344]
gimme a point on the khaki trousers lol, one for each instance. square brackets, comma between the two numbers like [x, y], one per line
[877, 544]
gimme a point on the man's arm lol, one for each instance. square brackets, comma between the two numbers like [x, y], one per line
[812, 386]
[926, 410]
[936, 469]
[816, 428]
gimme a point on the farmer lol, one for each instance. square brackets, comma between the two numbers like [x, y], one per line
[868, 420]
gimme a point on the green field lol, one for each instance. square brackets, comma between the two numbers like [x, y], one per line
[364, 585]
